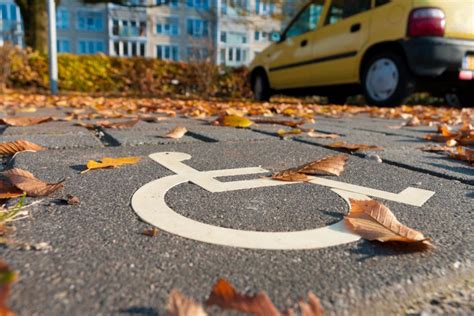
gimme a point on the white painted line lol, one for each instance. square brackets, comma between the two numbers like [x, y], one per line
[149, 203]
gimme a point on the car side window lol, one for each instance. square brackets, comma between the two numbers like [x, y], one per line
[342, 9]
[307, 20]
[378, 3]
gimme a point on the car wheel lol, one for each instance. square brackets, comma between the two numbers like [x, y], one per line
[452, 100]
[466, 99]
[386, 80]
[261, 88]
[338, 99]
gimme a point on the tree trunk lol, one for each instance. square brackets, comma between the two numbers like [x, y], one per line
[35, 23]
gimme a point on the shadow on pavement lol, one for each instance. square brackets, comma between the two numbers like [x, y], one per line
[370, 249]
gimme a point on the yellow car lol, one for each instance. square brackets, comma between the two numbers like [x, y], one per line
[385, 49]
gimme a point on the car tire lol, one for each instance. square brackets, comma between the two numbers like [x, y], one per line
[261, 87]
[466, 99]
[338, 99]
[386, 80]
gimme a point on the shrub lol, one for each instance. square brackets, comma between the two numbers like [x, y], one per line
[135, 76]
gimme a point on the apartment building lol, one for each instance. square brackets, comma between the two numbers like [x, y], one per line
[10, 23]
[228, 32]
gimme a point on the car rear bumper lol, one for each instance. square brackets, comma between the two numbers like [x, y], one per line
[434, 56]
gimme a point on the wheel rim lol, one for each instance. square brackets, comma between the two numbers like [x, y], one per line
[382, 79]
[258, 87]
[452, 100]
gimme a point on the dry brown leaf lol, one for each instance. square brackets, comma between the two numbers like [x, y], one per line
[464, 154]
[414, 121]
[28, 183]
[11, 148]
[333, 165]
[177, 132]
[180, 305]
[355, 147]
[278, 122]
[437, 149]
[25, 120]
[8, 191]
[374, 221]
[7, 277]
[226, 297]
[313, 307]
[290, 175]
[322, 135]
[72, 200]
[111, 163]
[117, 125]
[151, 232]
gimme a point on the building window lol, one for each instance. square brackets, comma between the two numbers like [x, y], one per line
[142, 49]
[64, 46]
[90, 46]
[261, 36]
[171, 3]
[234, 56]
[264, 7]
[90, 21]
[167, 52]
[115, 27]
[62, 19]
[234, 7]
[198, 28]
[197, 53]
[223, 37]
[169, 27]
[116, 51]
[198, 4]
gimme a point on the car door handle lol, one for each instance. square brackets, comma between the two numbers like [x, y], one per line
[356, 28]
[304, 43]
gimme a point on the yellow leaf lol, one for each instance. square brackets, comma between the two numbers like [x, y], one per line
[236, 121]
[295, 131]
[111, 163]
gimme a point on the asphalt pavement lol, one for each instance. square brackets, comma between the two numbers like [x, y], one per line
[100, 263]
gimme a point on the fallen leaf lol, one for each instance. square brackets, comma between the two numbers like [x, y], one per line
[116, 125]
[290, 175]
[72, 200]
[437, 149]
[7, 277]
[355, 147]
[25, 120]
[464, 154]
[374, 221]
[151, 232]
[111, 163]
[177, 132]
[28, 183]
[235, 121]
[322, 135]
[333, 165]
[8, 191]
[278, 122]
[226, 297]
[180, 305]
[282, 132]
[11, 148]
[414, 121]
[312, 308]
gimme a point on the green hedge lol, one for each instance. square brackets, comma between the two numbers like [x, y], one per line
[136, 76]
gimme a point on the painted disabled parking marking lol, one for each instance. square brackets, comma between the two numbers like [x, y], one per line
[149, 203]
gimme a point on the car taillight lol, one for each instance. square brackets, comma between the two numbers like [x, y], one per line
[426, 22]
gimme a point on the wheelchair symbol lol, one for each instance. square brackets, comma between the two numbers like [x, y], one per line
[149, 203]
